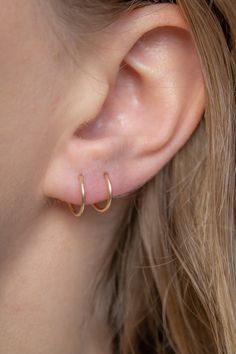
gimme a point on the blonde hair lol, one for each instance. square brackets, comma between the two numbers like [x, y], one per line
[169, 278]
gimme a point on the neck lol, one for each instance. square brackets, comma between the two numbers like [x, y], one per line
[45, 278]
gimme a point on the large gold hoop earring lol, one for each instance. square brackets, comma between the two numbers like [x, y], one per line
[82, 207]
[109, 200]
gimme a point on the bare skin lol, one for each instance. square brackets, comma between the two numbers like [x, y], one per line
[46, 262]
[48, 258]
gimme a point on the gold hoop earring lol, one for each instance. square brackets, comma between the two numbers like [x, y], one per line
[109, 200]
[82, 207]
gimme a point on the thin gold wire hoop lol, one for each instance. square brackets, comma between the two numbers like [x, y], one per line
[82, 207]
[109, 200]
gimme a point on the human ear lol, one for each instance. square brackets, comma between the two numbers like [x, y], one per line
[153, 101]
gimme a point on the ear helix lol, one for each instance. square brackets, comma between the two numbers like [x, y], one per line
[95, 206]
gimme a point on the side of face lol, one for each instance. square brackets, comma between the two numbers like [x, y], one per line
[124, 103]
[36, 75]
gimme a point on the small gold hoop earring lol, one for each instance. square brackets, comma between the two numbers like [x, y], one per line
[82, 207]
[109, 200]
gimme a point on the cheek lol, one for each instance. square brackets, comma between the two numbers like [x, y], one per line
[30, 87]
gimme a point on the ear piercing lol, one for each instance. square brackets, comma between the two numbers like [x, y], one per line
[82, 207]
[109, 200]
[95, 206]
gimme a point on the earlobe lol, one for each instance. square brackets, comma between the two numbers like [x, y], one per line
[98, 208]
[154, 104]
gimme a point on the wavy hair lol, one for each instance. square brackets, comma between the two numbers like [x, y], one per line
[168, 282]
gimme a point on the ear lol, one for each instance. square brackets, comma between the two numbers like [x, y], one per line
[153, 100]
